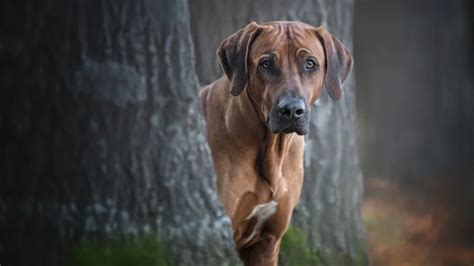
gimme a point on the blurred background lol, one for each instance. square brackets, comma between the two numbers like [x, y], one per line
[103, 154]
[415, 113]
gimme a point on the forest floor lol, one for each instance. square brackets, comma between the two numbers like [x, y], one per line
[412, 226]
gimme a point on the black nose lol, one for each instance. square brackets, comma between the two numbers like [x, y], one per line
[292, 110]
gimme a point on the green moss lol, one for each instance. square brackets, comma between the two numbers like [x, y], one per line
[362, 259]
[148, 250]
[117, 251]
[295, 250]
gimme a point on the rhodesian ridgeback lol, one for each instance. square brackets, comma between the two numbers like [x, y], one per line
[257, 114]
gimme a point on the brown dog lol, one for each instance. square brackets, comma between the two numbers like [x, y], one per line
[273, 73]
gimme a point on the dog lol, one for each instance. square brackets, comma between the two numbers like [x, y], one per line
[257, 115]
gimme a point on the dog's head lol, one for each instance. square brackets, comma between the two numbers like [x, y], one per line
[284, 66]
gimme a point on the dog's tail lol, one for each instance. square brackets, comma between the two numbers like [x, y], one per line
[248, 233]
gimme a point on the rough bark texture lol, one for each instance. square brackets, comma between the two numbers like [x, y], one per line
[102, 133]
[102, 129]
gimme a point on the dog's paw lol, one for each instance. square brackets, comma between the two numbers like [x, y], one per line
[263, 211]
[255, 221]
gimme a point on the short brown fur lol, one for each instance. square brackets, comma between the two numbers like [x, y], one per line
[255, 166]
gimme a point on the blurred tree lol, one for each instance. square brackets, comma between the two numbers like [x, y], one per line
[102, 133]
[410, 96]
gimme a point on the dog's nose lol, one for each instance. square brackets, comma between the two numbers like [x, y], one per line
[292, 110]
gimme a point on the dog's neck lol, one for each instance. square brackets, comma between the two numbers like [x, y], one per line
[273, 153]
[271, 149]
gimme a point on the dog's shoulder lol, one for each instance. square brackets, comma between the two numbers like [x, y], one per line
[204, 94]
[214, 93]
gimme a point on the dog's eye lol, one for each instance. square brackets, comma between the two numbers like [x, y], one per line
[310, 64]
[265, 64]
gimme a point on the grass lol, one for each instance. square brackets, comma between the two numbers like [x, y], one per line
[118, 251]
[295, 250]
[148, 250]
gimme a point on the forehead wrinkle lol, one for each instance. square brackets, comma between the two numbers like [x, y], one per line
[293, 80]
[301, 50]
[297, 41]
[271, 36]
[267, 54]
[279, 37]
[288, 42]
[297, 33]
[270, 41]
[277, 31]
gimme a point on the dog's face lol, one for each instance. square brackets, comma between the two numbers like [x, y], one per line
[284, 65]
[286, 73]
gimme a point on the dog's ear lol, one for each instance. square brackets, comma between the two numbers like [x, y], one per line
[338, 63]
[233, 56]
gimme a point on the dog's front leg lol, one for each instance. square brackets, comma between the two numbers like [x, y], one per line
[275, 152]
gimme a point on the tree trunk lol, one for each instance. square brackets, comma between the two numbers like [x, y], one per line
[102, 130]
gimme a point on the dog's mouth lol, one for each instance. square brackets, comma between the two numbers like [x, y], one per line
[277, 126]
[300, 130]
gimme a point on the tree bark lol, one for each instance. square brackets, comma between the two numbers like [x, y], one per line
[102, 130]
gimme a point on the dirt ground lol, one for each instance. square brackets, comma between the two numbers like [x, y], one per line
[412, 226]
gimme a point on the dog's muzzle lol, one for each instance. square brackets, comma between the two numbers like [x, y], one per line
[289, 115]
